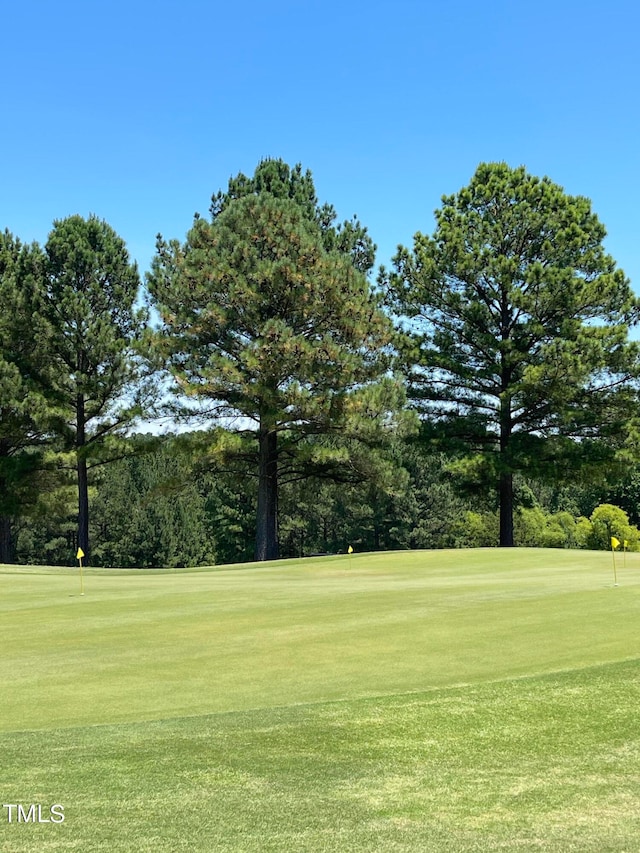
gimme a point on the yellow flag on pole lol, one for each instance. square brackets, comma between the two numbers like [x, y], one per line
[615, 543]
[79, 556]
[349, 550]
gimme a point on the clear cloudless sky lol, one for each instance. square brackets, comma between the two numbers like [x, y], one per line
[138, 111]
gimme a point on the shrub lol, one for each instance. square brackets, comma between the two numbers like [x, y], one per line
[608, 520]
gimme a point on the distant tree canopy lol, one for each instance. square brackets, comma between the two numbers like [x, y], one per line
[518, 336]
[267, 315]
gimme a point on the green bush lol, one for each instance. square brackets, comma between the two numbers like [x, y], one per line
[535, 528]
[478, 530]
[608, 520]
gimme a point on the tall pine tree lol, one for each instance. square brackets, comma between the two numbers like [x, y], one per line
[268, 319]
[89, 309]
[517, 323]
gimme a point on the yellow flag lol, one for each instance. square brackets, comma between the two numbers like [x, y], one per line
[626, 544]
[615, 543]
[349, 550]
[79, 557]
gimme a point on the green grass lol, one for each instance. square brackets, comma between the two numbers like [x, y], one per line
[429, 701]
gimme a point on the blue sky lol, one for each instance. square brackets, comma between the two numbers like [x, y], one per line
[138, 111]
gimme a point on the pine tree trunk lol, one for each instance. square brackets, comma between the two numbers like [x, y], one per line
[505, 486]
[506, 510]
[83, 488]
[6, 541]
[267, 521]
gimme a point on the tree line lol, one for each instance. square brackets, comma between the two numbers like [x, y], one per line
[482, 391]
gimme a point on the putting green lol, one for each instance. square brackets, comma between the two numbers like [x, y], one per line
[155, 645]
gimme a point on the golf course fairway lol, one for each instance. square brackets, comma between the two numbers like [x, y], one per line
[472, 700]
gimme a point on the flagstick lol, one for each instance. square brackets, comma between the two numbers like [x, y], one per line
[615, 576]
[79, 556]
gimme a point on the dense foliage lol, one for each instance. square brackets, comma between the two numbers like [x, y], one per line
[511, 344]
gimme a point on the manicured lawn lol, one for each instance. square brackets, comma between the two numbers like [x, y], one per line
[430, 701]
